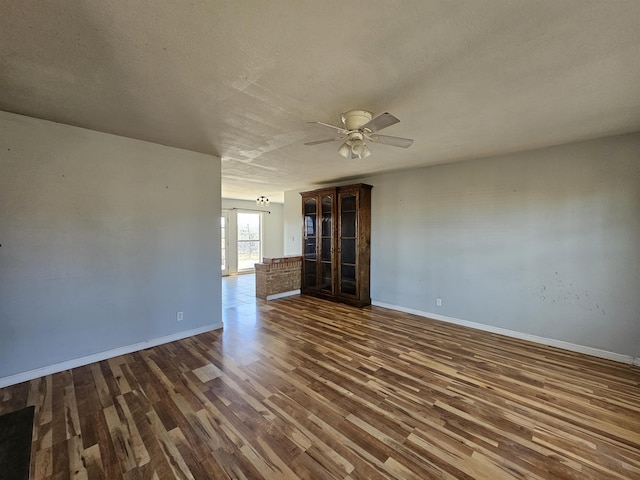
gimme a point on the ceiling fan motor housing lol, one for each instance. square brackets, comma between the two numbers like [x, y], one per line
[354, 119]
[356, 141]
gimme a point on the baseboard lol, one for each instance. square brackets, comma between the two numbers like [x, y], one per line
[98, 357]
[283, 294]
[618, 357]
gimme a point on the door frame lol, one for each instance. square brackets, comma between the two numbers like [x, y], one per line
[226, 216]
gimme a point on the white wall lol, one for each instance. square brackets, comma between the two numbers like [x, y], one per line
[271, 228]
[545, 242]
[103, 239]
[292, 222]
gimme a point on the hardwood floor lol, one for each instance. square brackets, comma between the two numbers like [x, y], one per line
[303, 388]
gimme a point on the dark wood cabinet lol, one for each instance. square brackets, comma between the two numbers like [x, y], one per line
[336, 243]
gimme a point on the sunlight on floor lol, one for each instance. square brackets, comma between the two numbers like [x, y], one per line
[238, 290]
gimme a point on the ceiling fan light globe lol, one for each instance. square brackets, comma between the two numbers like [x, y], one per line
[345, 150]
[358, 147]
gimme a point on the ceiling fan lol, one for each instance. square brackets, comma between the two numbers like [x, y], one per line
[359, 125]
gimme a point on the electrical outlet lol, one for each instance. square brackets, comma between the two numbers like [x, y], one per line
[438, 302]
[179, 316]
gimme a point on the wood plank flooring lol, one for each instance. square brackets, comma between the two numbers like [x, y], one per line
[303, 388]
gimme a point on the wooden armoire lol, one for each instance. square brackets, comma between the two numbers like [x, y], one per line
[336, 239]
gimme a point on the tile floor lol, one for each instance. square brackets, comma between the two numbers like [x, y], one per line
[238, 290]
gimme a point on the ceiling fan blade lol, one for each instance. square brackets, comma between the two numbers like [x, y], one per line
[383, 120]
[393, 141]
[325, 140]
[326, 125]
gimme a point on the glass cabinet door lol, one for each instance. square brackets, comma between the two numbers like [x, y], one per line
[326, 243]
[310, 243]
[348, 243]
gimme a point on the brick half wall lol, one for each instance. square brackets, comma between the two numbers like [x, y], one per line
[278, 275]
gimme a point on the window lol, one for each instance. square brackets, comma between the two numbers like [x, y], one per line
[249, 241]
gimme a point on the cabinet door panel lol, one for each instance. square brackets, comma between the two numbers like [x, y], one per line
[348, 224]
[326, 279]
[348, 251]
[348, 260]
[310, 206]
[325, 255]
[348, 279]
[348, 202]
[310, 212]
[310, 277]
[310, 248]
[310, 225]
[327, 216]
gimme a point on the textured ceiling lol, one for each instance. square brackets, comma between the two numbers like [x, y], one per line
[240, 79]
